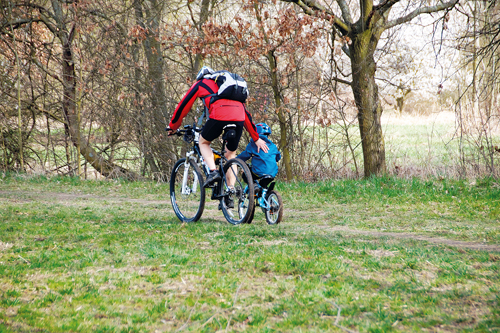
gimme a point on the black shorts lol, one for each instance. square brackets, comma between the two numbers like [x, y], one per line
[213, 129]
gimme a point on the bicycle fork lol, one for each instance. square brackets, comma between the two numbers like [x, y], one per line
[185, 188]
[262, 201]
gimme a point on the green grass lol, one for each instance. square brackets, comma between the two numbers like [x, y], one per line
[417, 142]
[430, 145]
[110, 256]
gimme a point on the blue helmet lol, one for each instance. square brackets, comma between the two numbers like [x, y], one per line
[262, 128]
[204, 71]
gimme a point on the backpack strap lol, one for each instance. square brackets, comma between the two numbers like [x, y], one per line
[205, 109]
[200, 120]
[206, 113]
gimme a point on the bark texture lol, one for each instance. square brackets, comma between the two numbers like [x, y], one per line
[367, 99]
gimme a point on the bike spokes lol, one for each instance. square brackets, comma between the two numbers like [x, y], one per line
[237, 204]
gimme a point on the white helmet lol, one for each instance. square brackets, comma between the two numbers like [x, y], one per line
[204, 71]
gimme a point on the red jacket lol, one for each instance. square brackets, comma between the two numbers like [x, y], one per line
[222, 109]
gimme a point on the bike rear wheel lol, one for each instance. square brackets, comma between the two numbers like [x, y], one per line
[274, 214]
[243, 201]
[186, 191]
[252, 214]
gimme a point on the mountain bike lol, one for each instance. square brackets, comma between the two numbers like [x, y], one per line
[268, 199]
[187, 193]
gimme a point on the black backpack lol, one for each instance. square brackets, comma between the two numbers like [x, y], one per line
[231, 86]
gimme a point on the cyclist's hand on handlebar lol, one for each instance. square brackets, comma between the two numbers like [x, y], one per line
[170, 131]
[261, 144]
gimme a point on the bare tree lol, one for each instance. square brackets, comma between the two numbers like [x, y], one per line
[61, 20]
[360, 38]
[478, 116]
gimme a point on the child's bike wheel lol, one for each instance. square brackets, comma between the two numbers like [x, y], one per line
[274, 214]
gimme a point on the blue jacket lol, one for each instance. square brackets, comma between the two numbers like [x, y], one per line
[262, 163]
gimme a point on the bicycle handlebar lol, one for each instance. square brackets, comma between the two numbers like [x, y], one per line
[187, 128]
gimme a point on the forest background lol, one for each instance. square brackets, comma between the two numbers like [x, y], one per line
[88, 87]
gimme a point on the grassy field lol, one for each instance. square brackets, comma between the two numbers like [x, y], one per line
[429, 146]
[425, 141]
[374, 255]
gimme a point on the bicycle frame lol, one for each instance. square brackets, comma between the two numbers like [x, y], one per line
[195, 155]
[262, 195]
[228, 189]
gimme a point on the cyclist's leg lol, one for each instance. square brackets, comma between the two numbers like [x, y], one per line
[206, 152]
[231, 147]
[230, 176]
[211, 131]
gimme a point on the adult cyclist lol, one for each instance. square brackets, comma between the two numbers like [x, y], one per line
[222, 112]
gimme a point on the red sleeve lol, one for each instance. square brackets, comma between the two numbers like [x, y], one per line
[200, 88]
[250, 126]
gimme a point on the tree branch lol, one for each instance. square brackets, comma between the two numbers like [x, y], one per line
[311, 7]
[346, 13]
[385, 6]
[366, 13]
[419, 11]
[17, 23]
[45, 19]
[334, 78]
[45, 70]
[100, 14]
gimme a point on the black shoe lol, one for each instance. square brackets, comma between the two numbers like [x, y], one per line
[212, 178]
[228, 202]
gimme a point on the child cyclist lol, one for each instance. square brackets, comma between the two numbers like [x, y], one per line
[263, 164]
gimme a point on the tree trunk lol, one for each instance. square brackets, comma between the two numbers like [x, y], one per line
[283, 143]
[368, 103]
[146, 148]
[199, 57]
[148, 20]
[106, 168]
[273, 69]
[103, 166]
[152, 49]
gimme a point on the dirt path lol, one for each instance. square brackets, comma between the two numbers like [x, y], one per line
[68, 198]
[54, 197]
[405, 235]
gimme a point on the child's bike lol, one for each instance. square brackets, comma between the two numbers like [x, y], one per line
[187, 193]
[268, 199]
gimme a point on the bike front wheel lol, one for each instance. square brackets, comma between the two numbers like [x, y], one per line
[274, 214]
[186, 191]
[237, 203]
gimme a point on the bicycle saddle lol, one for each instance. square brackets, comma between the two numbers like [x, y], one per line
[265, 180]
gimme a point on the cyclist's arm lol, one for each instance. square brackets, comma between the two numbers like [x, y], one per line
[199, 89]
[250, 126]
[278, 153]
[245, 155]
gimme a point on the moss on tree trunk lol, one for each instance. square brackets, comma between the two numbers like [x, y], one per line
[368, 103]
